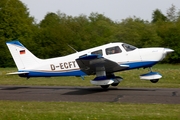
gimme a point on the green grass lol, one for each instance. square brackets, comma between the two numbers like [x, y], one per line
[18, 110]
[13, 110]
[169, 72]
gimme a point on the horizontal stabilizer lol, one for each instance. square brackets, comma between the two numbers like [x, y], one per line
[17, 73]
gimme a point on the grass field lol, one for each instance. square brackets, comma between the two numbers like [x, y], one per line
[18, 110]
[13, 110]
[170, 78]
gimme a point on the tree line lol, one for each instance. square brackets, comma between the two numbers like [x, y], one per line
[52, 35]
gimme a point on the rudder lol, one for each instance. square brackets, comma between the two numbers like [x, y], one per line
[23, 58]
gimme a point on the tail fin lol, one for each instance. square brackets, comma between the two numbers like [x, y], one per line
[23, 58]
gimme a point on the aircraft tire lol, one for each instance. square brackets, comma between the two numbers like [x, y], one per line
[154, 80]
[114, 84]
[104, 86]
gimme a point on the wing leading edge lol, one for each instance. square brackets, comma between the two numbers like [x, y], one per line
[93, 63]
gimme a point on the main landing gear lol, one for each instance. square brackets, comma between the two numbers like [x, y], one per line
[106, 81]
[104, 86]
[116, 81]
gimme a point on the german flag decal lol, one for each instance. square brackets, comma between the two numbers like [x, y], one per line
[22, 52]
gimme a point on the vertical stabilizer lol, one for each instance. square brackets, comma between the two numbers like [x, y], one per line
[23, 58]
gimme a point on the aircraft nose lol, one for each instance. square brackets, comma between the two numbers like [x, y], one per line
[167, 50]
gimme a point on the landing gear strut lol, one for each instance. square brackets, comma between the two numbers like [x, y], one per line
[153, 80]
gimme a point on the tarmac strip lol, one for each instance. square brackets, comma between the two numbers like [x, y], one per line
[90, 94]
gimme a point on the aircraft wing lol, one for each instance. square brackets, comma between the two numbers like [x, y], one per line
[90, 64]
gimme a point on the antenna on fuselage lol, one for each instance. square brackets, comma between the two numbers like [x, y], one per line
[72, 48]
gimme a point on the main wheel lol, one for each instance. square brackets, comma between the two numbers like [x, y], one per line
[114, 84]
[104, 86]
[154, 81]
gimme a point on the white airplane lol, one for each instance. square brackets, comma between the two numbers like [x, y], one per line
[101, 61]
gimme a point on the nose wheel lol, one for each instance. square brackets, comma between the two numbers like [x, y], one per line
[154, 80]
[152, 76]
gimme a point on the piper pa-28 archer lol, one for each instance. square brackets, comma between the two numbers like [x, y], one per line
[101, 61]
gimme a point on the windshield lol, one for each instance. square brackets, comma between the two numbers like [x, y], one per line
[128, 47]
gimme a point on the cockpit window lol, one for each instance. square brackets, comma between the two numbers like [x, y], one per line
[128, 47]
[98, 52]
[113, 50]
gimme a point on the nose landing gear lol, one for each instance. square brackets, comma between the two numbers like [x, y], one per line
[152, 76]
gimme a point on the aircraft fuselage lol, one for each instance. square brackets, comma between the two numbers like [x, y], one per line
[67, 65]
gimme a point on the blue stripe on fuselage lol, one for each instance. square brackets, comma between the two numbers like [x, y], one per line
[132, 65]
[54, 74]
[142, 64]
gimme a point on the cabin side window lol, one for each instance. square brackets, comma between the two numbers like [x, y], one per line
[128, 47]
[98, 52]
[113, 50]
